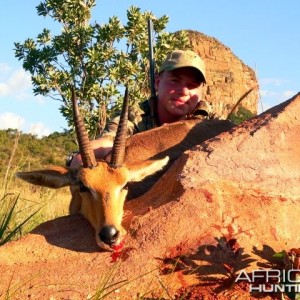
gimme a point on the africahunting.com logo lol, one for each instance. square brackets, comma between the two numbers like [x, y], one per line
[271, 281]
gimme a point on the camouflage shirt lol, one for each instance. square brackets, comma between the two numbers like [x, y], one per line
[140, 119]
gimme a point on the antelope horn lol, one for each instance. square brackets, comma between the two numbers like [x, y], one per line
[240, 100]
[118, 151]
[87, 153]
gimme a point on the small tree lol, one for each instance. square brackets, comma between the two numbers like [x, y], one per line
[241, 115]
[97, 60]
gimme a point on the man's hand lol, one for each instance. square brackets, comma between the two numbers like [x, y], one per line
[101, 146]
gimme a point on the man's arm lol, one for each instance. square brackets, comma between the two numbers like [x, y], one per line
[103, 144]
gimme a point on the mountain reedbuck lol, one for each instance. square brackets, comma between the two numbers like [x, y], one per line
[99, 187]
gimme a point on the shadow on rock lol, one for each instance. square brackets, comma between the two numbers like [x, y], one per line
[69, 232]
[211, 263]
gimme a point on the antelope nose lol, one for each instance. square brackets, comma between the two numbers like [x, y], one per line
[109, 234]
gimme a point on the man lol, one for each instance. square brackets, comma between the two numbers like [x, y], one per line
[178, 84]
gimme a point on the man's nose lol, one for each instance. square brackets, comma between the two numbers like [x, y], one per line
[182, 89]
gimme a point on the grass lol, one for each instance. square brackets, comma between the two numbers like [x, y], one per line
[23, 207]
[7, 231]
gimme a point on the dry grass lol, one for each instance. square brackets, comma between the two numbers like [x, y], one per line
[20, 200]
[43, 203]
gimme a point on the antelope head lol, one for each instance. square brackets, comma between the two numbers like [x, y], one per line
[101, 184]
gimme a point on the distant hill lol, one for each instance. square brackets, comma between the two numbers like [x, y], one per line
[20, 151]
[228, 77]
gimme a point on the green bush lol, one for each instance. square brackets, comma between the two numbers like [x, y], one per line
[241, 115]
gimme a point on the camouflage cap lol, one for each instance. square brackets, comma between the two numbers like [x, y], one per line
[180, 59]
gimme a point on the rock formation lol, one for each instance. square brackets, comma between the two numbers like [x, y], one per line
[228, 78]
[231, 201]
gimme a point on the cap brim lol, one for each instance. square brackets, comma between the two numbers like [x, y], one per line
[171, 68]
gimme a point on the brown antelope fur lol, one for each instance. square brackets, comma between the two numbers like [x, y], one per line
[101, 203]
[112, 194]
[169, 140]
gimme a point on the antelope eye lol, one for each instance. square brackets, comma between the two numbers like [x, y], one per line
[83, 188]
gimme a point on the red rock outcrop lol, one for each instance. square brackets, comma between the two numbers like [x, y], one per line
[240, 186]
[228, 77]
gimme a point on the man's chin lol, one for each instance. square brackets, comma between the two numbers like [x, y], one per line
[179, 111]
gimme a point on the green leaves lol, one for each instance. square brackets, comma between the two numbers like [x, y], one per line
[71, 12]
[241, 115]
[97, 60]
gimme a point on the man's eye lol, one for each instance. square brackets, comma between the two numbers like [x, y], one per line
[193, 85]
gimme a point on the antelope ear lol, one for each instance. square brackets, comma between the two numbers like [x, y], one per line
[54, 177]
[138, 171]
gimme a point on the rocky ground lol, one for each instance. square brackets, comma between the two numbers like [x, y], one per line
[227, 205]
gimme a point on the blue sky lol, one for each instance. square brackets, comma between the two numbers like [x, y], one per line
[264, 34]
